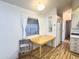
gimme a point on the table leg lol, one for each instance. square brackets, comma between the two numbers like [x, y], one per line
[52, 43]
[40, 50]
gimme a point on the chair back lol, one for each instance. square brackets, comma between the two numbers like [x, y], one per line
[25, 46]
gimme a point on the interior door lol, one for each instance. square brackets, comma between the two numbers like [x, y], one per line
[63, 29]
[58, 32]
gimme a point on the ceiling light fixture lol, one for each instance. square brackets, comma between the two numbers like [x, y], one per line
[40, 7]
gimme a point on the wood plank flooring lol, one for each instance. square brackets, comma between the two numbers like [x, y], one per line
[61, 52]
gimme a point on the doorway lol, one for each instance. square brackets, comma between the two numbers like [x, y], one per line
[68, 29]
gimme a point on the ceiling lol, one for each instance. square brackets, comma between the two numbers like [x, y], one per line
[32, 4]
[63, 6]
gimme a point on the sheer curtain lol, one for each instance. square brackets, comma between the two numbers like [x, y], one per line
[32, 27]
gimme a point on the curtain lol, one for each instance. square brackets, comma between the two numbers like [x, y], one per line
[32, 27]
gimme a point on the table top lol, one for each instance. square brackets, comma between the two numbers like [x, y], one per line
[43, 39]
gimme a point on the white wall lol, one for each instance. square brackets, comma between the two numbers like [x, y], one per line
[10, 29]
[53, 15]
[11, 19]
[67, 14]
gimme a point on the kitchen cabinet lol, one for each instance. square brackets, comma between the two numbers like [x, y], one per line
[74, 44]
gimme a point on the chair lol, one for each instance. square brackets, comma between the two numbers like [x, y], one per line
[25, 48]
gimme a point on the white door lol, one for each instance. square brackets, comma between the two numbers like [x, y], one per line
[58, 36]
[63, 30]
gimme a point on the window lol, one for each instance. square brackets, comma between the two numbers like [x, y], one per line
[32, 27]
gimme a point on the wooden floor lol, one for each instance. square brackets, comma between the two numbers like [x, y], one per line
[61, 52]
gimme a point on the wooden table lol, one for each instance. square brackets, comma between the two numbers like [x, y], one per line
[41, 40]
